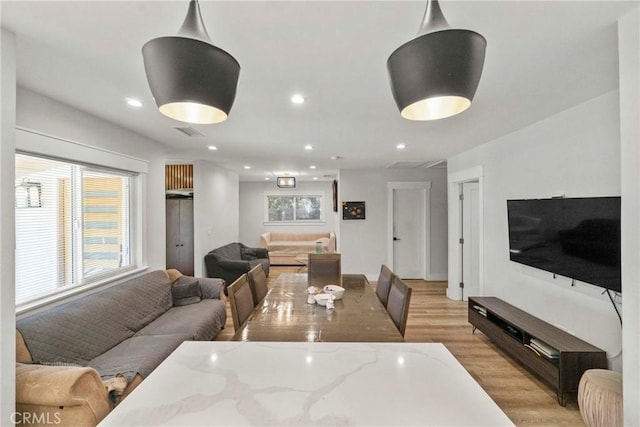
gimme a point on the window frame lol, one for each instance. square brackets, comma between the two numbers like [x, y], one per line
[296, 194]
[135, 253]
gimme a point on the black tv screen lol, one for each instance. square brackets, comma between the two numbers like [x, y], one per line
[577, 238]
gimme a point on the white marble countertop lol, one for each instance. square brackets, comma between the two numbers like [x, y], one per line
[295, 384]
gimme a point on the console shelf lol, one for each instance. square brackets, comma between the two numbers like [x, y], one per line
[554, 355]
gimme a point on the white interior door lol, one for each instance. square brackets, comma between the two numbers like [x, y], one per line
[409, 233]
[470, 239]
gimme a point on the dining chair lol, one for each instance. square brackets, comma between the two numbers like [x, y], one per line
[398, 303]
[324, 269]
[258, 283]
[241, 300]
[383, 285]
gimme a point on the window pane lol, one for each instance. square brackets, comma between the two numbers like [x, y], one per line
[280, 208]
[44, 242]
[105, 222]
[308, 208]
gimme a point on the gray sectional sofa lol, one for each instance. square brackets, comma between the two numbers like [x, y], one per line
[126, 331]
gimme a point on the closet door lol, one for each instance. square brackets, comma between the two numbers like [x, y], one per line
[179, 224]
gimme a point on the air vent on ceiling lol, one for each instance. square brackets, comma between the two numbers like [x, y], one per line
[189, 131]
[405, 165]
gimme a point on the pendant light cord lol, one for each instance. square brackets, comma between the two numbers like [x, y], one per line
[433, 19]
[193, 26]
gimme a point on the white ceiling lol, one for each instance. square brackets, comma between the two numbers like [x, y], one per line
[542, 57]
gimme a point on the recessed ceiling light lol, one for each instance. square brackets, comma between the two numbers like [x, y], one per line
[315, 178]
[401, 146]
[212, 147]
[266, 178]
[312, 167]
[308, 147]
[247, 167]
[132, 102]
[297, 99]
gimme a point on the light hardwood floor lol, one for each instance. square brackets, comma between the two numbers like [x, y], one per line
[435, 318]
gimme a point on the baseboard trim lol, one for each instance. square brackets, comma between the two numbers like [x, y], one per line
[438, 277]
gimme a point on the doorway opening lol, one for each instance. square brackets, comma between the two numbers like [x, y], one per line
[465, 234]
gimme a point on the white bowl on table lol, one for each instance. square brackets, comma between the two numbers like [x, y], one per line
[334, 290]
[323, 298]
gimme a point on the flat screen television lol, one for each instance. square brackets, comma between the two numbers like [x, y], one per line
[577, 238]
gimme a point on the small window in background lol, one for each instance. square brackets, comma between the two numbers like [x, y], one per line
[294, 208]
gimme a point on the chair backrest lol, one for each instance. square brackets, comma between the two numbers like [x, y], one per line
[383, 285]
[241, 300]
[398, 303]
[324, 269]
[258, 283]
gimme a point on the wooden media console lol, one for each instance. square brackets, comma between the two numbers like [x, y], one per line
[554, 355]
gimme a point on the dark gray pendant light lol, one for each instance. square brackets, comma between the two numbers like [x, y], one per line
[191, 79]
[436, 74]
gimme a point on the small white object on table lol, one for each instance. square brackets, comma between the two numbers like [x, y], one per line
[293, 383]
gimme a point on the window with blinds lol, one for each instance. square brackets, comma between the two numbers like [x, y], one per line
[77, 231]
[302, 208]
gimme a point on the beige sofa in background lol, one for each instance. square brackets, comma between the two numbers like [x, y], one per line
[285, 247]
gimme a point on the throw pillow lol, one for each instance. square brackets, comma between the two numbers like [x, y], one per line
[249, 254]
[173, 274]
[185, 291]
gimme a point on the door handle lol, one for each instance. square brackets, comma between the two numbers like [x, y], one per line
[395, 238]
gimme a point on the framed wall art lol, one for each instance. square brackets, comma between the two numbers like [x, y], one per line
[353, 210]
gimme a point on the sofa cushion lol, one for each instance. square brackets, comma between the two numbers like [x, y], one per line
[139, 354]
[185, 291]
[297, 247]
[293, 236]
[248, 254]
[80, 330]
[173, 274]
[205, 320]
[211, 288]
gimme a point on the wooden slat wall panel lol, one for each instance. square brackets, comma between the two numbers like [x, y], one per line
[178, 177]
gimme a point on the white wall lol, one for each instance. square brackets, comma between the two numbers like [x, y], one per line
[252, 209]
[576, 153]
[629, 51]
[7, 225]
[215, 210]
[364, 243]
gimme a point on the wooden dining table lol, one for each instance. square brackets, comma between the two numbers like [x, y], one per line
[285, 314]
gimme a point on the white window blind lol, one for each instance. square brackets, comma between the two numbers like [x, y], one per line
[73, 229]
